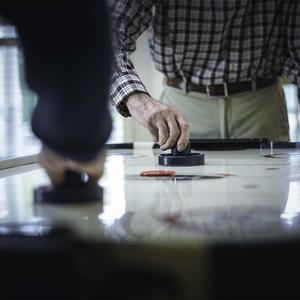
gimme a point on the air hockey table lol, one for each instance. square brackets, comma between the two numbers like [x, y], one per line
[229, 229]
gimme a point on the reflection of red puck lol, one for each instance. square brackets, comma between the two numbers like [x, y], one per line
[158, 173]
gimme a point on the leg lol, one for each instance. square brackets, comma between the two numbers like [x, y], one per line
[258, 114]
[205, 116]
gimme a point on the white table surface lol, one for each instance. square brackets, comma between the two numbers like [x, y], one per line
[252, 198]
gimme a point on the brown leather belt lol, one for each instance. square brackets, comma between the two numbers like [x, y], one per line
[222, 90]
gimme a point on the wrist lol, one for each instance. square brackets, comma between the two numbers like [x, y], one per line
[137, 100]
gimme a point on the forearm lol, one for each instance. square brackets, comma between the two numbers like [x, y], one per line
[130, 18]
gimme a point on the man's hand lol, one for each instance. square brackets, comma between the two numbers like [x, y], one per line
[56, 166]
[166, 125]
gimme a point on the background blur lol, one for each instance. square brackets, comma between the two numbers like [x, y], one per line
[17, 102]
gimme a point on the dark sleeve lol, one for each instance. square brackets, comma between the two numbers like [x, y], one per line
[130, 18]
[67, 50]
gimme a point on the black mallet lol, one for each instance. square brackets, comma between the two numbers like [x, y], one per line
[75, 189]
[184, 158]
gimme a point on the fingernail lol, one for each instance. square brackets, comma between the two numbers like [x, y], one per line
[180, 147]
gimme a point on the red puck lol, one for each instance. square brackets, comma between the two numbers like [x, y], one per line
[158, 173]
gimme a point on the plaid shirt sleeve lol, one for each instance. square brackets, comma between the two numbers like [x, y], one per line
[293, 35]
[130, 18]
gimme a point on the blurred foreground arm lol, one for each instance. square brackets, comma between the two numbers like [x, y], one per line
[67, 53]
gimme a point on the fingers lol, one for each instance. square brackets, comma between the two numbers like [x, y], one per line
[165, 124]
[172, 129]
[154, 132]
[184, 133]
[56, 166]
[174, 133]
[94, 169]
[55, 170]
[57, 177]
[163, 132]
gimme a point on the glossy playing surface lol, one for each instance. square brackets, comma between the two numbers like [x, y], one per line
[238, 195]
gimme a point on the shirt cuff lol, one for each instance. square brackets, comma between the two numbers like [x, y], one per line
[122, 87]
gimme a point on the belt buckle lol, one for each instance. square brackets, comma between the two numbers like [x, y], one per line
[225, 94]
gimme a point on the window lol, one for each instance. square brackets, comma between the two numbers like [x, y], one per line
[292, 101]
[16, 101]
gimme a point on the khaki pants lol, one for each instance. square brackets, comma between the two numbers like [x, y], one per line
[258, 114]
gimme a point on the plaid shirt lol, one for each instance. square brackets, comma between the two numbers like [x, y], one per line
[206, 42]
